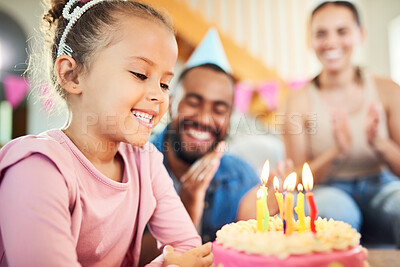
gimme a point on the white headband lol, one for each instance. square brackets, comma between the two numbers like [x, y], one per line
[72, 17]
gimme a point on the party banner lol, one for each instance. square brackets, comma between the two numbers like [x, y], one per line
[295, 85]
[15, 88]
[243, 95]
[269, 91]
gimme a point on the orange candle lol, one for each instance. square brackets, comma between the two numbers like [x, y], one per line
[289, 184]
[308, 181]
[279, 197]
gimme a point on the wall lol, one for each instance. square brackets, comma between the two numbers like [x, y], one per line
[28, 14]
[379, 14]
[276, 30]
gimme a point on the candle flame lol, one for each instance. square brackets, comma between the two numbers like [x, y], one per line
[300, 187]
[290, 182]
[307, 177]
[276, 183]
[260, 193]
[265, 172]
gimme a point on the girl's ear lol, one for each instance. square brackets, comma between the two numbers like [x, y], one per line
[66, 70]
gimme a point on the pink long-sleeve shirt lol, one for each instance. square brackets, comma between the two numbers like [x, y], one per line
[57, 209]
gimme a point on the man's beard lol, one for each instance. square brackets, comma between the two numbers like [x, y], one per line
[185, 152]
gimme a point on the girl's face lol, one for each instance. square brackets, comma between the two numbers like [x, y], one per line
[334, 36]
[125, 91]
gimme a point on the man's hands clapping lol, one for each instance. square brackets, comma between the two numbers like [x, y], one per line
[195, 181]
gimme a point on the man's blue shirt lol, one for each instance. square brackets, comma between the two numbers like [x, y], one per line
[233, 179]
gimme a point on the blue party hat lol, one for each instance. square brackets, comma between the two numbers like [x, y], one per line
[210, 50]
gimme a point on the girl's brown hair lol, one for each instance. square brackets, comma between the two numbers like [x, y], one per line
[91, 32]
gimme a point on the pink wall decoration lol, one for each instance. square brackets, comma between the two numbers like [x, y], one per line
[269, 91]
[15, 88]
[295, 85]
[243, 95]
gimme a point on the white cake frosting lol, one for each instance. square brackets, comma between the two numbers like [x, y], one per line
[331, 235]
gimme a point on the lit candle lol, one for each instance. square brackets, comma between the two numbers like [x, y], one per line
[260, 210]
[289, 185]
[308, 185]
[278, 196]
[284, 220]
[300, 208]
[264, 179]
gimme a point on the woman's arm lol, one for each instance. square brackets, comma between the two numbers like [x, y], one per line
[297, 142]
[34, 215]
[389, 148]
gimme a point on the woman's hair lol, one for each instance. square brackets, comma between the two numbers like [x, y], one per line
[346, 4]
[354, 11]
[91, 32]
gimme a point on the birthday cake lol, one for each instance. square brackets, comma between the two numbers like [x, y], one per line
[335, 244]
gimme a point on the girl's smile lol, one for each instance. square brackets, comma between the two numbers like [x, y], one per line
[145, 117]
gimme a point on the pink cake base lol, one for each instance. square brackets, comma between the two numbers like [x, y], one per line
[355, 257]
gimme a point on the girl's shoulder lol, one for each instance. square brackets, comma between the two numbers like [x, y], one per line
[48, 144]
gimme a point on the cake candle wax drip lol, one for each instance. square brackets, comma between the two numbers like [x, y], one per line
[300, 208]
[307, 179]
[279, 197]
[289, 185]
[260, 210]
[264, 197]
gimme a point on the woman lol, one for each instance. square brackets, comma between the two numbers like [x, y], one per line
[346, 124]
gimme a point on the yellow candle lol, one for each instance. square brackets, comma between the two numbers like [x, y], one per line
[266, 211]
[264, 179]
[300, 208]
[260, 210]
[289, 184]
[278, 196]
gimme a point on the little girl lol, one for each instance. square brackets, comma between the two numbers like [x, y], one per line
[84, 194]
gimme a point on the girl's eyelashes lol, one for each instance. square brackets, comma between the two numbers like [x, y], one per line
[143, 77]
[139, 75]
